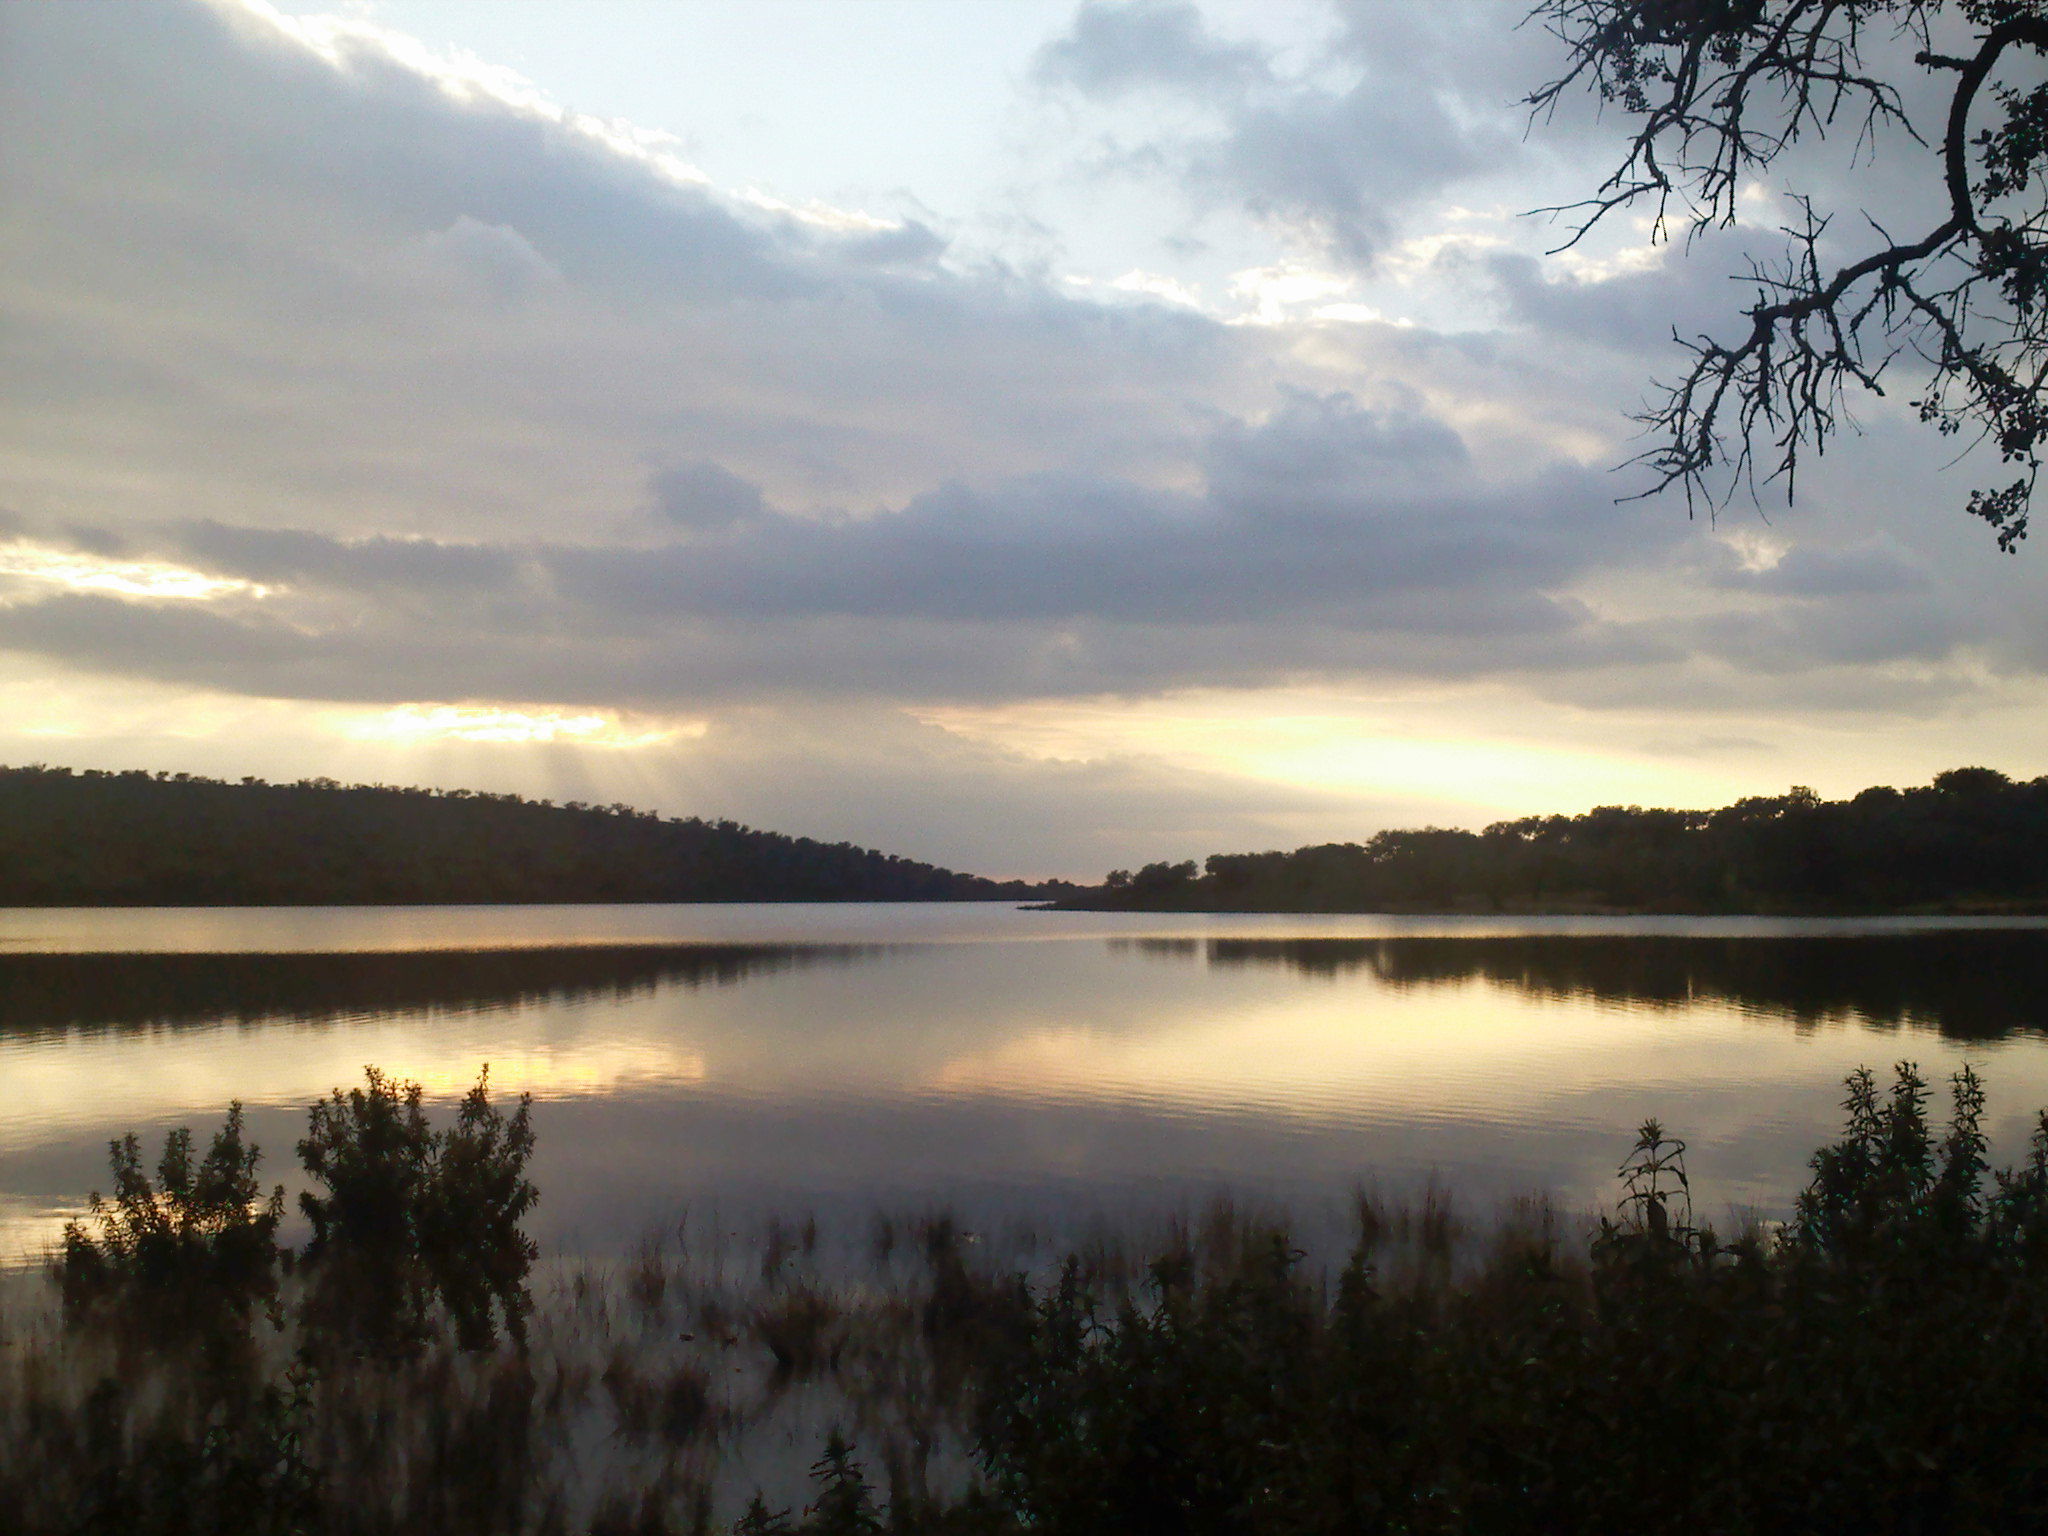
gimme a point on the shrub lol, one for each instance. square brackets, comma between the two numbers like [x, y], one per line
[1877, 1369]
[197, 1245]
[239, 1466]
[412, 1217]
[1888, 1187]
[845, 1504]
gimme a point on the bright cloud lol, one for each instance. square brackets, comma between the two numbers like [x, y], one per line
[1272, 295]
[414, 723]
[71, 571]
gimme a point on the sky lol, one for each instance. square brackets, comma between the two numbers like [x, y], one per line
[1028, 436]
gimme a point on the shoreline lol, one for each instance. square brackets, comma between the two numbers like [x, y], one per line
[2037, 908]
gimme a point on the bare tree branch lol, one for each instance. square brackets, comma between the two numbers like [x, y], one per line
[1720, 89]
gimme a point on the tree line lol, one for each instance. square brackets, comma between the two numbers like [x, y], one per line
[96, 838]
[1972, 840]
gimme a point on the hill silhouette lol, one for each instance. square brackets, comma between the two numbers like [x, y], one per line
[94, 838]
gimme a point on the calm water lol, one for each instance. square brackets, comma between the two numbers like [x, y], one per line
[838, 1058]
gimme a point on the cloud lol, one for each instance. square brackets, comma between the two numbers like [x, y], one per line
[704, 495]
[1330, 534]
[511, 411]
[1862, 568]
[909, 244]
[1404, 102]
[362, 566]
[495, 257]
[282, 282]
[1113, 49]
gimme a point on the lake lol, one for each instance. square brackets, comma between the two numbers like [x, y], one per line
[1014, 1065]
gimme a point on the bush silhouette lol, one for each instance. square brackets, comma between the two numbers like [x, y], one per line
[193, 1247]
[412, 1217]
[1875, 1368]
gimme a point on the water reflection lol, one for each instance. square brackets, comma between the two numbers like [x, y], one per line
[1970, 985]
[1013, 1065]
[45, 992]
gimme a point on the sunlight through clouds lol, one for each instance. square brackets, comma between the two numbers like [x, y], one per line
[125, 578]
[1440, 752]
[1273, 295]
[408, 723]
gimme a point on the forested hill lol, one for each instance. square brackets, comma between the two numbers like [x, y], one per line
[1973, 840]
[138, 839]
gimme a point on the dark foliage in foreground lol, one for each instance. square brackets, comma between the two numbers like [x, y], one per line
[139, 839]
[412, 1217]
[1875, 1366]
[411, 1226]
[191, 1249]
[1972, 840]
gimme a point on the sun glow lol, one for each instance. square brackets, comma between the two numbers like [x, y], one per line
[409, 723]
[1447, 752]
[126, 578]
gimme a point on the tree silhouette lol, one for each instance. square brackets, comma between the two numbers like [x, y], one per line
[1973, 840]
[1719, 90]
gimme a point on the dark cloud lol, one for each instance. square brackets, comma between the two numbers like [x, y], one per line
[1853, 635]
[397, 655]
[1348, 165]
[1325, 451]
[1333, 538]
[1407, 101]
[1115, 48]
[704, 495]
[1636, 312]
[363, 566]
[1325, 508]
[1054, 549]
[250, 653]
[1865, 568]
